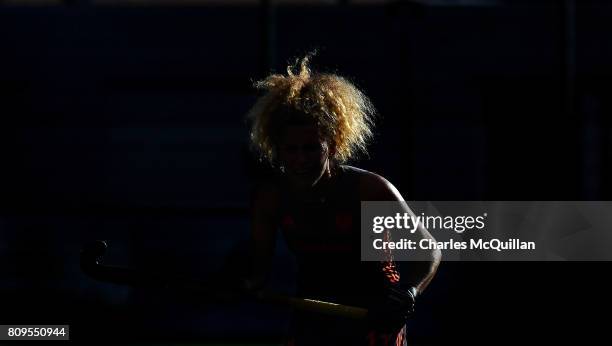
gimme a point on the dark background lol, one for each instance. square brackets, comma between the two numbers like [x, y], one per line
[126, 123]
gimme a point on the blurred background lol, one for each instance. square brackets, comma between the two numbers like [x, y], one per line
[124, 120]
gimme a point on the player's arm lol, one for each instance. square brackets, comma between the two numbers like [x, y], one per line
[264, 224]
[420, 273]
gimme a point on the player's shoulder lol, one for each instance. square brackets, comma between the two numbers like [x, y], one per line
[372, 186]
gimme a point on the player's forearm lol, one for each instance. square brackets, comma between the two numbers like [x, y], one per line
[418, 274]
[428, 271]
[260, 264]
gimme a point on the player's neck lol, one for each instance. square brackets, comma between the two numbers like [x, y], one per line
[321, 189]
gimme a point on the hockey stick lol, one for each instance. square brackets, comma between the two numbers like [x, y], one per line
[91, 264]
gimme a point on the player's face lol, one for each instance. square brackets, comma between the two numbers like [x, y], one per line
[304, 155]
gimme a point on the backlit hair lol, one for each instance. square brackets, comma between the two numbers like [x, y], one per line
[342, 114]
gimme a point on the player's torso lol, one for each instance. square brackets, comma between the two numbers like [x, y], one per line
[324, 235]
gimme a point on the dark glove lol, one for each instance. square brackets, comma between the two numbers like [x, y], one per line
[390, 311]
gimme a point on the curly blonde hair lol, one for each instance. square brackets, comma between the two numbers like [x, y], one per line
[343, 115]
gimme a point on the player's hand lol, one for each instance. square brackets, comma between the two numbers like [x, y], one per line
[228, 288]
[389, 312]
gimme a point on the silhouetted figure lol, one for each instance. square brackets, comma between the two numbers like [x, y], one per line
[307, 126]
